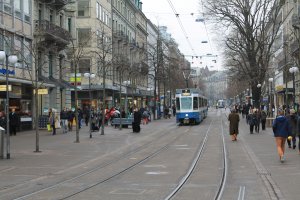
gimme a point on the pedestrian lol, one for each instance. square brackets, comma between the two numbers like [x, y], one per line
[174, 110]
[137, 117]
[292, 118]
[14, 122]
[257, 120]
[251, 120]
[281, 129]
[233, 119]
[70, 119]
[64, 120]
[52, 121]
[3, 120]
[263, 119]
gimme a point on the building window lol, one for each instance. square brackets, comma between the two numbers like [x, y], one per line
[51, 16]
[84, 35]
[17, 7]
[50, 61]
[7, 6]
[83, 9]
[70, 24]
[84, 65]
[27, 54]
[61, 21]
[26, 9]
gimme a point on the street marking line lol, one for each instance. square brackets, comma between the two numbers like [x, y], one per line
[242, 193]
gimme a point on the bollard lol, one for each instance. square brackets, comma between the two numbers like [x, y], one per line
[2, 132]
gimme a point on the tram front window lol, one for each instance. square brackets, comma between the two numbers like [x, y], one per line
[186, 103]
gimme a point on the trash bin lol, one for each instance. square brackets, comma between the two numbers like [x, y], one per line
[2, 134]
[269, 122]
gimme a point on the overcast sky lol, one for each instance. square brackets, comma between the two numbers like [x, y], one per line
[161, 13]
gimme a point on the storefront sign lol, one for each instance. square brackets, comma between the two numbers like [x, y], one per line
[3, 88]
[279, 88]
[10, 72]
[41, 91]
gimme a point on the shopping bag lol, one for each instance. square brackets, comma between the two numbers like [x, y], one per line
[49, 127]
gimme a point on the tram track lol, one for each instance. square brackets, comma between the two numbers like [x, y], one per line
[102, 166]
[270, 189]
[193, 166]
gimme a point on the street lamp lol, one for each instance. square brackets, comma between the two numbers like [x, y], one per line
[90, 76]
[126, 97]
[270, 101]
[12, 59]
[293, 70]
[258, 86]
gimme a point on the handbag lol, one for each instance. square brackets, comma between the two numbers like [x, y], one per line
[49, 128]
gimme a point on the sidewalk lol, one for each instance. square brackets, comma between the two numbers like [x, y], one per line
[58, 152]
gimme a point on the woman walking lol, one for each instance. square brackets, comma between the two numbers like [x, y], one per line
[233, 119]
[281, 130]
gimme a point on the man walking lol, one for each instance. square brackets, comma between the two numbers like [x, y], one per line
[13, 122]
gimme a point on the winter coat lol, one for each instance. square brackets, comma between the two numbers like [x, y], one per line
[281, 127]
[233, 119]
[293, 123]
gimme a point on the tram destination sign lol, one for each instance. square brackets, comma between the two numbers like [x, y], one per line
[186, 92]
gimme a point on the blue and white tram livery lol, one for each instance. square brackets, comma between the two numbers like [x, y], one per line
[191, 106]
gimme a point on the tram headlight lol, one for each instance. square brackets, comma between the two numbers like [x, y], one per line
[186, 115]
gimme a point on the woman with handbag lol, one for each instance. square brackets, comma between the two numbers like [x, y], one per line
[52, 121]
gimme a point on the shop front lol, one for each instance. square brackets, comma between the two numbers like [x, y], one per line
[20, 99]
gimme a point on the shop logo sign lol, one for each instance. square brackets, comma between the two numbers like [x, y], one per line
[10, 72]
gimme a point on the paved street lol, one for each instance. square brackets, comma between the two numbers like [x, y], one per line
[252, 159]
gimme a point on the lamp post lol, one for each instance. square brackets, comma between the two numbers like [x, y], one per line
[270, 101]
[90, 76]
[293, 71]
[126, 97]
[12, 59]
[258, 86]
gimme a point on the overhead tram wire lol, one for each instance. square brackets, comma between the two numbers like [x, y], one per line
[181, 25]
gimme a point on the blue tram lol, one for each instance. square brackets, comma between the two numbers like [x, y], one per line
[191, 106]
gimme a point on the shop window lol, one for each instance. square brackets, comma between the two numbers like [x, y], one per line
[25, 108]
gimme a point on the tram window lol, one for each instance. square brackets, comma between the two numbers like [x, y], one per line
[195, 103]
[177, 104]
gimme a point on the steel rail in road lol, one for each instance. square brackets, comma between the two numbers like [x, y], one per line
[96, 168]
[194, 164]
[124, 170]
[197, 158]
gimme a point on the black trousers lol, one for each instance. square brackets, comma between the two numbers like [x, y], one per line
[263, 124]
[13, 130]
[251, 128]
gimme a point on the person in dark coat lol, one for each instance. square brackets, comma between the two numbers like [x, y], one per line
[234, 120]
[14, 122]
[292, 118]
[251, 120]
[281, 129]
[71, 116]
[263, 120]
[137, 117]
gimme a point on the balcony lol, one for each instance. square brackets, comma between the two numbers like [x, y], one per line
[58, 4]
[52, 34]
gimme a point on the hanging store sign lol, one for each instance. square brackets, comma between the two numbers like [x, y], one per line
[3, 88]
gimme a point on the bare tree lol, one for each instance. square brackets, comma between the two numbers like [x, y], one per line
[253, 27]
